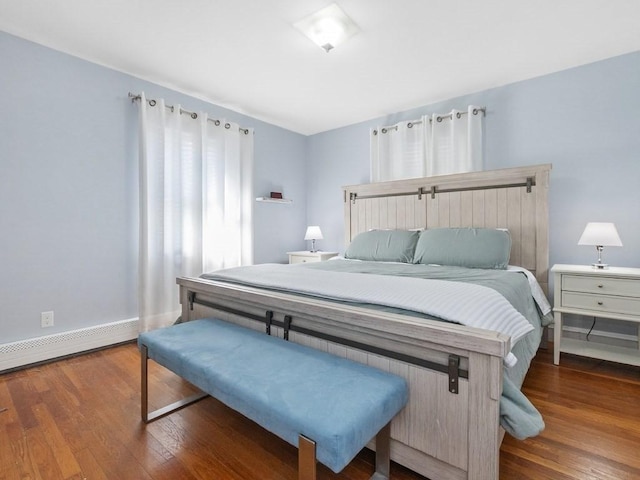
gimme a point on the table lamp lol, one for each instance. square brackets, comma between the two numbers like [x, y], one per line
[313, 234]
[600, 234]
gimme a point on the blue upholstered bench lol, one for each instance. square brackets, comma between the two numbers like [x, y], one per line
[328, 406]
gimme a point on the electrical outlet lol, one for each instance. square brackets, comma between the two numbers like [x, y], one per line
[46, 319]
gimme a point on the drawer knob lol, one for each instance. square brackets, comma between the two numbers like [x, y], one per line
[600, 286]
[600, 303]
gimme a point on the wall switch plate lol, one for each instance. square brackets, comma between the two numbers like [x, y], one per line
[46, 319]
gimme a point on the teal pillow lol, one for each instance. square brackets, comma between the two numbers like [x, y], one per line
[464, 247]
[383, 246]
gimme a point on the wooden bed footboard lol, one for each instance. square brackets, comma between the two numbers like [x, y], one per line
[450, 427]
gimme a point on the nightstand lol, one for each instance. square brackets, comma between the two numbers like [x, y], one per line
[308, 257]
[610, 293]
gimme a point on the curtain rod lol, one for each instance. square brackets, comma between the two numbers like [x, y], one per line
[439, 118]
[194, 115]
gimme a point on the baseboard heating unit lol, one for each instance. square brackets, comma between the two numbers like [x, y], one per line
[39, 349]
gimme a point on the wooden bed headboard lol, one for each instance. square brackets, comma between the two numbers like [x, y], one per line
[512, 198]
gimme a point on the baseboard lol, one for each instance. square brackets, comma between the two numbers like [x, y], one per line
[40, 349]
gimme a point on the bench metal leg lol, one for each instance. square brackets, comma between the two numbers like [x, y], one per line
[383, 454]
[306, 458]
[144, 404]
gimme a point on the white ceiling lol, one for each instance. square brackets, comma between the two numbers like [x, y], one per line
[246, 55]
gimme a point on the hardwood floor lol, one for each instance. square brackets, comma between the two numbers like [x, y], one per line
[591, 410]
[79, 418]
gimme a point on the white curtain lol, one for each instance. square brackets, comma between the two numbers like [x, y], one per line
[196, 179]
[437, 144]
[454, 141]
[398, 152]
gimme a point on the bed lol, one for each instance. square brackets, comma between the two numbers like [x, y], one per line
[460, 389]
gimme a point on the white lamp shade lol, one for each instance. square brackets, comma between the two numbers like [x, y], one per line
[599, 233]
[313, 233]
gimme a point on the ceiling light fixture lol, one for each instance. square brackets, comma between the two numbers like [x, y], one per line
[328, 27]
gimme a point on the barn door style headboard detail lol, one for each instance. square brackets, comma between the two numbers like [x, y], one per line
[512, 198]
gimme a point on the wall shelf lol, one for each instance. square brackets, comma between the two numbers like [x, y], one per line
[273, 200]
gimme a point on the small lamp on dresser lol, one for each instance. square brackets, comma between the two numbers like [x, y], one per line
[600, 234]
[313, 233]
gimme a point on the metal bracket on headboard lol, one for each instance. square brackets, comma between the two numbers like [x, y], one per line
[530, 182]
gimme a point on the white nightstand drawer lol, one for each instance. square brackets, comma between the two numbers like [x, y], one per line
[301, 259]
[603, 285]
[601, 303]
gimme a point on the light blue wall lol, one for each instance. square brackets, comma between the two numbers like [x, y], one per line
[68, 183]
[585, 121]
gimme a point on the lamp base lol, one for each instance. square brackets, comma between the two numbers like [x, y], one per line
[600, 266]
